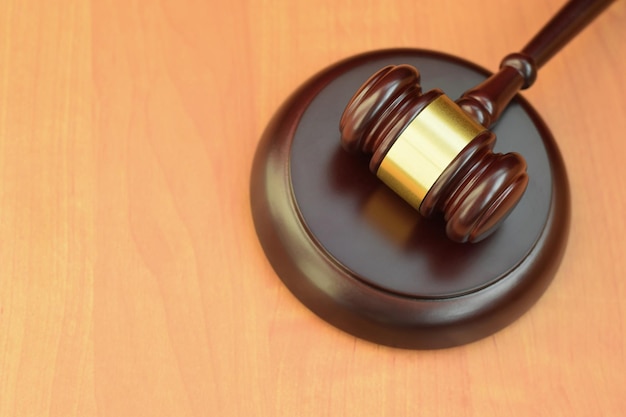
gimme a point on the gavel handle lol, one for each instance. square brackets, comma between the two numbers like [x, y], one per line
[562, 28]
[486, 102]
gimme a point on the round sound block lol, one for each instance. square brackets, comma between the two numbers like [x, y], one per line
[364, 260]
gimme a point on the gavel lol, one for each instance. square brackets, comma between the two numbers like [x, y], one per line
[436, 153]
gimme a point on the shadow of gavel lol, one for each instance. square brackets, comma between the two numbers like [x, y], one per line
[436, 153]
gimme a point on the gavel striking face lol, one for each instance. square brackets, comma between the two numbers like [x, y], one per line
[432, 153]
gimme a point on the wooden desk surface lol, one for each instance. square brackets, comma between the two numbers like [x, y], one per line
[131, 279]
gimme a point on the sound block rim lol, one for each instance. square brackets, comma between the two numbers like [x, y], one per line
[338, 295]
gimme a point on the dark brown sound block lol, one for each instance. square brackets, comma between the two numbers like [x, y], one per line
[364, 260]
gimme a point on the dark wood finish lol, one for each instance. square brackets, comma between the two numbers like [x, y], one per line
[486, 101]
[478, 190]
[573, 17]
[363, 260]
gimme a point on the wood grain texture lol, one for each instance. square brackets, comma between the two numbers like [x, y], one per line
[131, 279]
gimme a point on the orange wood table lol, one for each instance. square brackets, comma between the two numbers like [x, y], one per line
[131, 279]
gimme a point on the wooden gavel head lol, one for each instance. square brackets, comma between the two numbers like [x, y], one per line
[433, 153]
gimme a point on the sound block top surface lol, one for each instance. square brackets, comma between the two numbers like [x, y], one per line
[372, 231]
[353, 251]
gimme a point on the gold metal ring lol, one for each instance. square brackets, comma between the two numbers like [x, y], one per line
[426, 147]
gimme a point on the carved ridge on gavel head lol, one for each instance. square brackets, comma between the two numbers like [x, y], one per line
[437, 154]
